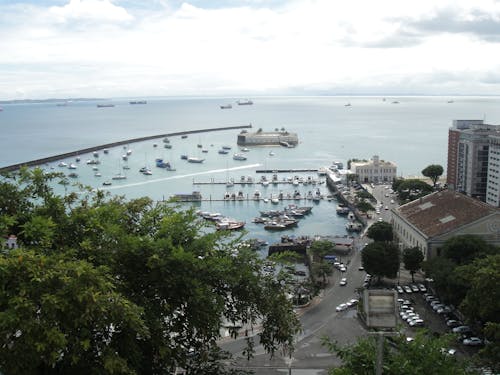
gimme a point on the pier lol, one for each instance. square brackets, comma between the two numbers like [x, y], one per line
[49, 159]
[285, 170]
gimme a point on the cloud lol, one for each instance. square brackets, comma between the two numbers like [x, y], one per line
[95, 11]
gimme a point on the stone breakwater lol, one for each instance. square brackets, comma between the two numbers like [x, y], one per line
[49, 159]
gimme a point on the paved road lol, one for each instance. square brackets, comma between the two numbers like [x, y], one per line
[318, 321]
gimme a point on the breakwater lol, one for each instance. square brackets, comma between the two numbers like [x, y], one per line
[49, 159]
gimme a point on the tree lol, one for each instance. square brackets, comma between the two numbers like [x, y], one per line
[433, 171]
[365, 206]
[323, 270]
[381, 259]
[320, 248]
[380, 231]
[411, 189]
[125, 286]
[412, 259]
[423, 355]
[464, 249]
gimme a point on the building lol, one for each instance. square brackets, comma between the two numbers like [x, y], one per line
[278, 137]
[374, 170]
[493, 183]
[429, 221]
[468, 156]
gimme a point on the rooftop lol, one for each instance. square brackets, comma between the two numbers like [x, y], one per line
[443, 211]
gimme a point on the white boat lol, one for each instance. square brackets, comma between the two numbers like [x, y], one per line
[244, 102]
[97, 174]
[62, 164]
[72, 166]
[271, 153]
[239, 157]
[195, 160]
[265, 183]
[119, 176]
[245, 149]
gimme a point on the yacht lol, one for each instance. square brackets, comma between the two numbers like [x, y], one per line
[226, 106]
[223, 151]
[195, 160]
[239, 157]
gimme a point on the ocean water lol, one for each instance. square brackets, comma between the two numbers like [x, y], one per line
[413, 134]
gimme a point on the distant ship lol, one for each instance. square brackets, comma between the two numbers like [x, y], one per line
[138, 102]
[244, 102]
[105, 105]
[226, 106]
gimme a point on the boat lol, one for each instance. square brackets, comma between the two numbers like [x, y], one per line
[199, 145]
[95, 154]
[395, 102]
[244, 149]
[106, 151]
[204, 150]
[353, 226]
[119, 176]
[226, 106]
[245, 102]
[62, 164]
[72, 166]
[93, 162]
[167, 145]
[239, 157]
[256, 195]
[184, 157]
[73, 175]
[195, 160]
[77, 159]
[271, 153]
[97, 174]
[223, 152]
[450, 101]
[166, 140]
[105, 105]
[147, 172]
[164, 164]
[342, 210]
[184, 136]
[229, 224]
[129, 151]
[124, 157]
[226, 147]
[322, 171]
[106, 183]
[347, 105]
[138, 102]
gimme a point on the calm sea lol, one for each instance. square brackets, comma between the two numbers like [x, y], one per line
[412, 133]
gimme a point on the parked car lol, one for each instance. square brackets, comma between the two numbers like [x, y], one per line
[422, 288]
[444, 310]
[341, 307]
[343, 282]
[473, 341]
[452, 323]
[461, 329]
[414, 288]
[399, 289]
[407, 289]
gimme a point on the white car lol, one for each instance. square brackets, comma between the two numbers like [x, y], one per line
[343, 282]
[341, 307]
[407, 289]
[473, 341]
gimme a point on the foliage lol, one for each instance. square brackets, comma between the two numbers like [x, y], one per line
[380, 231]
[424, 355]
[381, 259]
[322, 270]
[320, 248]
[105, 285]
[464, 249]
[412, 259]
[411, 189]
[363, 194]
[433, 171]
[365, 206]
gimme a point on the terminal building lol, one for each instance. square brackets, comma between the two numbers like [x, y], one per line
[259, 138]
[428, 222]
[374, 170]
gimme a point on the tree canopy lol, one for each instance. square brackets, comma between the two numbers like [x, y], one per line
[412, 259]
[433, 171]
[380, 231]
[381, 259]
[101, 284]
[423, 355]
[411, 189]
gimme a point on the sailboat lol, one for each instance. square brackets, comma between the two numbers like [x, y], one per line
[119, 175]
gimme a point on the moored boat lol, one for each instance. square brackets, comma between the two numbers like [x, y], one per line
[195, 160]
[239, 157]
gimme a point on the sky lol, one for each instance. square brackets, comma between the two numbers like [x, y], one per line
[135, 48]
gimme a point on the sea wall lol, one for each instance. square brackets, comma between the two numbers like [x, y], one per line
[114, 144]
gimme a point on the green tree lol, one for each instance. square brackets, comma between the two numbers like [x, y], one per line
[125, 286]
[411, 189]
[464, 249]
[412, 259]
[380, 231]
[365, 206]
[322, 270]
[381, 259]
[320, 248]
[433, 171]
[424, 355]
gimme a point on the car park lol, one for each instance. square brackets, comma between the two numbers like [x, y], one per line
[473, 341]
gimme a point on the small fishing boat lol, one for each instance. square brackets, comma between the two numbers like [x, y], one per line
[195, 160]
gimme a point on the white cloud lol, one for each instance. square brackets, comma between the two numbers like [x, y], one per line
[103, 47]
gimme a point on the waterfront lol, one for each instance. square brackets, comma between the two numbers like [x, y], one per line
[412, 133]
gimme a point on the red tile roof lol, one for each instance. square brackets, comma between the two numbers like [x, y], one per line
[443, 211]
